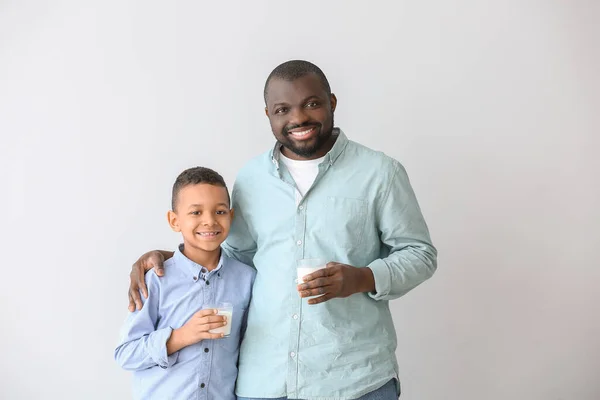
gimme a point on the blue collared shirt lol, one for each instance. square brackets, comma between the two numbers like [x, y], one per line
[205, 370]
[361, 211]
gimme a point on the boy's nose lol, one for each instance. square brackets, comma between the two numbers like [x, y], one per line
[208, 221]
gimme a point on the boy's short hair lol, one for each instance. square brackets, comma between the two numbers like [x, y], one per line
[194, 176]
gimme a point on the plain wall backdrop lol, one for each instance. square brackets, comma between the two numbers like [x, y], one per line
[492, 106]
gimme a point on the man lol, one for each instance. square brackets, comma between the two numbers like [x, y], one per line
[317, 194]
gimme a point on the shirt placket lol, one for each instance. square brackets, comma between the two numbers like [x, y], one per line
[205, 362]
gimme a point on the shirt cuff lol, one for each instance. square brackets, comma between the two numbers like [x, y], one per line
[157, 348]
[383, 280]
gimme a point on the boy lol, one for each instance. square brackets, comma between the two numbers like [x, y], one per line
[174, 344]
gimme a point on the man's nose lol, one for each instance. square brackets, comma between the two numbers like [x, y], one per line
[298, 116]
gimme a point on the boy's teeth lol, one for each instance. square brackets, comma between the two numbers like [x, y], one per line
[207, 233]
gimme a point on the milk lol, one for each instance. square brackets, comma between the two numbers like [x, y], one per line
[226, 329]
[303, 271]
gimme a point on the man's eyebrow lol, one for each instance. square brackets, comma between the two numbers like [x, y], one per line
[312, 96]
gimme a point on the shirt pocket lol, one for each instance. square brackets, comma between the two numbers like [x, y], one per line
[345, 218]
[231, 343]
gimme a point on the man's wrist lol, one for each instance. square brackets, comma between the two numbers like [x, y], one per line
[367, 280]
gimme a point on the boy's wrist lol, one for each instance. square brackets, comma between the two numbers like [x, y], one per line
[177, 341]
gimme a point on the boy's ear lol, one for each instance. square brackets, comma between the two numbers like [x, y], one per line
[173, 221]
[232, 213]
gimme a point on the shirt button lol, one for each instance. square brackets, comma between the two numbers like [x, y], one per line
[202, 385]
[207, 282]
[206, 349]
[301, 208]
[195, 278]
[299, 242]
[295, 316]
[292, 354]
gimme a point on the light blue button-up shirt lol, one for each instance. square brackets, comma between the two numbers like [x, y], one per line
[361, 211]
[205, 370]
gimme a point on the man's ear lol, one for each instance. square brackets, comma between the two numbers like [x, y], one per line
[173, 221]
[266, 111]
[333, 101]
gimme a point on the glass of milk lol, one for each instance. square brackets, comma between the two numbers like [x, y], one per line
[307, 266]
[226, 310]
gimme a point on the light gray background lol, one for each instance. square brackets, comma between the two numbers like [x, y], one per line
[492, 106]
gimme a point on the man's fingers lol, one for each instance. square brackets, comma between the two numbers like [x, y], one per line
[321, 299]
[159, 269]
[317, 291]
[320, 273]
[319, 282]
[142, 285]
[135, 295]
[131, 306]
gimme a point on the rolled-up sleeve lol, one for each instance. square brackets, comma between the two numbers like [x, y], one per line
[411, 259]
[141, 346]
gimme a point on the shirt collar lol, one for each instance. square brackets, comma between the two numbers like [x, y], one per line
[330, 157]
[196, 271]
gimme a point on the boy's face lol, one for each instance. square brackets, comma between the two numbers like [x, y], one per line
[202, 215]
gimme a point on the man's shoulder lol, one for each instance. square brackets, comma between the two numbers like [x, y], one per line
[260, 162]
[239, 268]
[355, 150]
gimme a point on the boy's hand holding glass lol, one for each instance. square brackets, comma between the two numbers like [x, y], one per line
[196, 329]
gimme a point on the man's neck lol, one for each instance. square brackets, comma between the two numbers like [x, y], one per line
[208, 259]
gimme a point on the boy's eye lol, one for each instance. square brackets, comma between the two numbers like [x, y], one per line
[221, 212]
[195, 213]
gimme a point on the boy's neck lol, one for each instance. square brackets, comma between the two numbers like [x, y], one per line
[208, 259]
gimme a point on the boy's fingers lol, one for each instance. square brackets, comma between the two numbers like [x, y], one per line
[206, 312]
[212, 319]
[214, 325]
[214, 335]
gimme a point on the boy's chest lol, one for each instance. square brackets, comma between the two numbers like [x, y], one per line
[183, 300]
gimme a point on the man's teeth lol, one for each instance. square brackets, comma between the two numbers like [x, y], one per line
[208, 233]
[302, 133]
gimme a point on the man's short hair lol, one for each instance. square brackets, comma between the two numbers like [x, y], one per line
[294, 69]
[194, 176]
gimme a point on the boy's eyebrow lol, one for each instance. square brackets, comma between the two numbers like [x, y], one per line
[202, 205]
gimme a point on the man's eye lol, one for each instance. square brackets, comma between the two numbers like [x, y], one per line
[312, 104]
[280, 110]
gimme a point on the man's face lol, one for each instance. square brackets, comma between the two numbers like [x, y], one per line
[203, 217]
[301, 116]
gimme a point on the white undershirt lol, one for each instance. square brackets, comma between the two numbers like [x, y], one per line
[304, 173]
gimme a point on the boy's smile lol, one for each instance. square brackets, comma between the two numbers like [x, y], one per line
[203, 217]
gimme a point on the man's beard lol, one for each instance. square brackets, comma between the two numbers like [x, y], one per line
[309, 149]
